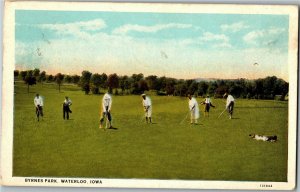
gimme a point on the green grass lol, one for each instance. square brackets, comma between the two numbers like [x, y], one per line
[216, 149]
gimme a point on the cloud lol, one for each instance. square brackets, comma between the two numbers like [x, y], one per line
[264, 37]
[149, 29]
[81, 29]
[208, 36]
[235, 27]
[217, 40]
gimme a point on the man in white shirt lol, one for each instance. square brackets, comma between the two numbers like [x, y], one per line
[229, 104]
[38, 103]
[106, 108]
[66, 107]
[194, 109]
[146, 101]
[207, 104]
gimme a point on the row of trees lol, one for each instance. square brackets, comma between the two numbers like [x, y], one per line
[266, 88]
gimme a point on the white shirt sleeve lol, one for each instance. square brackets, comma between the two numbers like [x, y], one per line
[229, 100]
[110, 102]
[192, 104]
[148, 101]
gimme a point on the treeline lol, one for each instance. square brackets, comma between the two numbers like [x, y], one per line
[266, 88]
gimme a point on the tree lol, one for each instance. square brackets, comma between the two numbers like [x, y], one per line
[103, 81]
[124, 83]
[68, 79]
[50, 78]
[137, 77]
[42, 77]
[152, 82]
[170, 86]
[134, 83]
[36, 73]
[75, 79]
[161, 84]
[96, 80]
[221, 90]
[23, 75]
[281, 88]
[181, 88]
[112, 82]
[212, 88]
[143, 86]
[269, 87]
[202, 88]
[16, 74]
[249, 89]
[258, 88]
[85, 81]
[193, 88]
[29, 80]
[59, 80]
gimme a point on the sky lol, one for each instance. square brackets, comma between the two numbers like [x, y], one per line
[178, 45]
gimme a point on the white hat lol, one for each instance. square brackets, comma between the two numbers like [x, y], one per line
[143, 94]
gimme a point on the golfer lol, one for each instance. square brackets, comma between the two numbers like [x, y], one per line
[229, 104]
[194, 109]
[106, 107]
[66, 107]
[146, 101]
[207, 104]
[38, 103]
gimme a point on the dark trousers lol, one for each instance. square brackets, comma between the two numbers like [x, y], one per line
[230, 107]
[207, 107]
[39, 111]
[106, 114]
[66, 111]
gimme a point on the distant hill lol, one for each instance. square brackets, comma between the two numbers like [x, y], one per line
[214, 79]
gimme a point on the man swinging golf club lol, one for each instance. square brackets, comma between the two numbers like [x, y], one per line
[106, 107]
[229, 104]
[194, 109]
[147, 107]
[38, 103]
[207, 104]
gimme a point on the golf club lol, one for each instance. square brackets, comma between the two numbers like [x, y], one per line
[222, 112]
[185, 118]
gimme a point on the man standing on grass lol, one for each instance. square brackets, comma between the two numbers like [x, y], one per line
[147, 107]
[229, 104]
[106, 108]
[194, 109]
[66, 107]
[38, 103]
[207, 104]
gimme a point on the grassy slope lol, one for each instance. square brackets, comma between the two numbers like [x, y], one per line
[217, 149]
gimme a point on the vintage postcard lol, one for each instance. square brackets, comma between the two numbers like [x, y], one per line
[149, 95]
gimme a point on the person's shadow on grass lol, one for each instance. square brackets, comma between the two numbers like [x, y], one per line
[113, 128]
